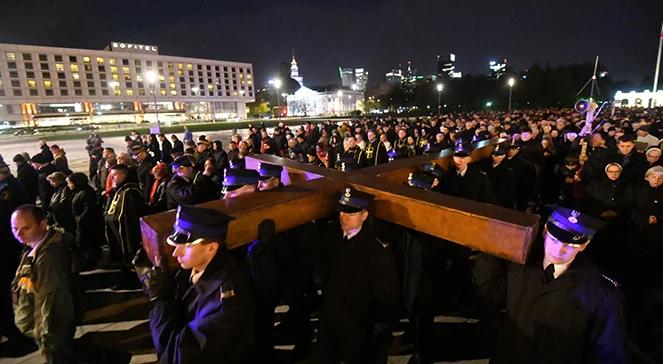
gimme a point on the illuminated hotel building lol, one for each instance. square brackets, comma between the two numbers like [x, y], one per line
[124, 82]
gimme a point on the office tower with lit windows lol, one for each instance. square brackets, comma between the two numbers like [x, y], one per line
[50, 85]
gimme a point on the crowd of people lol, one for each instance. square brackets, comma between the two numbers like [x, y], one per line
[542, 162]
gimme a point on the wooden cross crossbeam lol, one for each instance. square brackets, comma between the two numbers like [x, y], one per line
[311, 193]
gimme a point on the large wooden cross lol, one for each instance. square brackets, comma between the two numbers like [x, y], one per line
[311, 193]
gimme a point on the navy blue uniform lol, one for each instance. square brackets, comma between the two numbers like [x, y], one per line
[211, 321]
[576, 318]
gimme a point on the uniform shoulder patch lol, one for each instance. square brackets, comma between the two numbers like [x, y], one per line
[383, 243]
[226, 294]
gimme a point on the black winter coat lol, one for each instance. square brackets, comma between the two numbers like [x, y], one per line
[145, 177]
[59, 210]
[29, 178]
[504, 182]
[89, 219]
[45, 190]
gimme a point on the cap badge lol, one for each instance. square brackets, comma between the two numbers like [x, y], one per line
[347, 194]
[574, 217]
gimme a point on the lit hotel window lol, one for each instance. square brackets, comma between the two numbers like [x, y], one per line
[32, 84]
[161, 78]
[111, 61]
[173, 92]
[172, 86]
[162, 92]
[115, 76]
[86, 59]
[117, 92]
[74, 68]
[10, 56]
[130, 92]
[114, 69]
[189, 66]
[126, 69]
[100, 60]
[75, 75]
[48, 84]
[59, 67]
[139, 78]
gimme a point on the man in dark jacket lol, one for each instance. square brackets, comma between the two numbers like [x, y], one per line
[43, 286]
[166, 148]
[360, 287]
[28, 177]
[463, 181]
[122, 214]
[144, 170]
[184, 188]
[502, 178]
[44, 168]
[634, 164]
[204, 313]
[526, 174]
[559, 307]
[45, 150]
[12, 195]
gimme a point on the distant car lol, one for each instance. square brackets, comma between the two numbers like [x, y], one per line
[26, 131]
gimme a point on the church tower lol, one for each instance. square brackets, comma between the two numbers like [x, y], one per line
[294, 70]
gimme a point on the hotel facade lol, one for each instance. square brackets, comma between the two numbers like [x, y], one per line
[125, 82]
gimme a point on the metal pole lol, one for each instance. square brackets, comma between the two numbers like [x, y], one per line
[156, 108]
[510, 88]
[658, 67]
[439, 104]
[591, 89]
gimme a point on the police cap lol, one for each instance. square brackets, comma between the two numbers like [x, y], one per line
[194, 225]
[572, 227]
[352, 201]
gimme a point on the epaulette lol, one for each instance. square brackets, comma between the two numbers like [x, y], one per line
[384, 244]
[613, 281]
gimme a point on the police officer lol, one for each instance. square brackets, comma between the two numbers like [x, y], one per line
[239, 182]
[359, 285]
[183, 188]
[559, 307]
[204, 312]
[270, 176]
[464, 181]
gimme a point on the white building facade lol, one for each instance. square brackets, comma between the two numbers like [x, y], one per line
[125, 82]
[307, 102]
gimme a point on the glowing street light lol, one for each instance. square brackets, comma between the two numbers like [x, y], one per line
[511, 82]
[151, 78]
[439, 88]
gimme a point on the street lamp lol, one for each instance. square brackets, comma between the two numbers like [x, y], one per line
[151, 77]
[439, 88]
[511, 82]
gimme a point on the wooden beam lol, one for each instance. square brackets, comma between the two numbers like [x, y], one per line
[502, 232]
[288, 207]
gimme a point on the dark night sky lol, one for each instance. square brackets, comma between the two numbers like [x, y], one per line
[375, 34]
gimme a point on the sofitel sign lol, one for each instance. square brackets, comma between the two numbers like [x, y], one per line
[131, 47]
